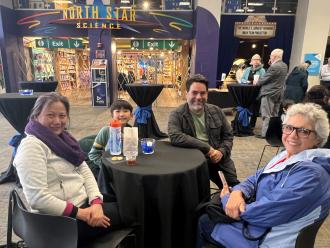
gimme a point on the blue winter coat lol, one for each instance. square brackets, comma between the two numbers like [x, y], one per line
[289, 196]
[258, 71]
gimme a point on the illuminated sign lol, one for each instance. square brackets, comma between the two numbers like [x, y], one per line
[154, 44]
[57, 43]
[99, 16]
[255, 27]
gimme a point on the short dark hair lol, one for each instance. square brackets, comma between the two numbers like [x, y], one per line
[120, 104]
[197, 78]
[308, 62]
[45, 100]
[317, 94]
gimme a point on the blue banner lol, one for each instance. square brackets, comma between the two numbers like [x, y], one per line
[99, 91]
[315, 58]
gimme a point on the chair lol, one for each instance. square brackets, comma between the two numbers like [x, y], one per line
[41, 230]
[273, 135]
[86, 143]
[307, 235]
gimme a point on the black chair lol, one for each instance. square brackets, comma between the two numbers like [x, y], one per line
[273, 135]
[307, 235]
[41, 230]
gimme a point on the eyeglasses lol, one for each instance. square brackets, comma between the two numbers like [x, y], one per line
[300, 131]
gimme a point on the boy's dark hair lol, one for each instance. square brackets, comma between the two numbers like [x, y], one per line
[197, 78]
[120, 104]
[308, 62]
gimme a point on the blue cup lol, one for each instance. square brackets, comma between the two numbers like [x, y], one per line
[26, 92]
[148, 145]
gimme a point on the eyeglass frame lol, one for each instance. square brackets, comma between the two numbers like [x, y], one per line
[299, 131]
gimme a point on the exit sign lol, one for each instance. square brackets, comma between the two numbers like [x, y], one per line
[154, 44]
[56, 43]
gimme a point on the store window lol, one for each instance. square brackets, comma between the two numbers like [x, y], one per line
[256, 6]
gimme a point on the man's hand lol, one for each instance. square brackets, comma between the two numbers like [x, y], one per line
[214, 155]
[235, 205]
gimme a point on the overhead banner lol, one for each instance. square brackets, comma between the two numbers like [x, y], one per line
[255, 27]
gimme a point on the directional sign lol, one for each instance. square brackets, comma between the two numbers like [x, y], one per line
[56, 43]
[155, 44]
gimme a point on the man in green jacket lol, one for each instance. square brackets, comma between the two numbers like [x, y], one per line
[197, 124]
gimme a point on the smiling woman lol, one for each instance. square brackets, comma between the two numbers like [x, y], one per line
[55, 178]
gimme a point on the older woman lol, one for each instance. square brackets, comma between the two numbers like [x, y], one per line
[54, 176]
[291, 191]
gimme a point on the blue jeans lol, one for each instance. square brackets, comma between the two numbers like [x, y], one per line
[204, 230]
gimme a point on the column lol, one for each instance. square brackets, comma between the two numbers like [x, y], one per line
[311, 32]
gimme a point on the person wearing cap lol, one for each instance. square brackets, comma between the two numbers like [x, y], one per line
[251, 75]
[256, 68]
[296, 83]
[325, 75]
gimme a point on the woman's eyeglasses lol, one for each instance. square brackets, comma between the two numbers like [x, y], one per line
[300, 131]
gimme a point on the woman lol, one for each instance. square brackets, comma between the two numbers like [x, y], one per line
[296, 83]
[291, 191]
[54, 176]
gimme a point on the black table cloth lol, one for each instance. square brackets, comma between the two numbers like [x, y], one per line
[244, 96]
[144, 95]
[160, 194]
[220, 99]
[16, 109]
[47, 86]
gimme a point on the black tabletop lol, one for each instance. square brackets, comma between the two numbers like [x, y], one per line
[16, 108]
[144, 94]
[160, 193]
[244, 95]
[47, 86]
[220, 99]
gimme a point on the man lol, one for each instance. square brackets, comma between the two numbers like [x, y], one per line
[197, 124]
[325, 75]
[272, 86]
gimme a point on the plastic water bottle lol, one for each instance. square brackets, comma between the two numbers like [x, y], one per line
[114, 142]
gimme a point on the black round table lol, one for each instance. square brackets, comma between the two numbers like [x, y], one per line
[16, 109]
[36, 86]
[144, 95]
[160, 194]
[244, 96]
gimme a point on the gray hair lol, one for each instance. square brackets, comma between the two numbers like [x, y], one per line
[315, 114]
[278, 53]
[45, 100]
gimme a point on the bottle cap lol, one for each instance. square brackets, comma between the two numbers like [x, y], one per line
[115, 123]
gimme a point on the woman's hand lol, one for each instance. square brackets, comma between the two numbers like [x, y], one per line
[97, 218]
[235, 205]
[94, 216]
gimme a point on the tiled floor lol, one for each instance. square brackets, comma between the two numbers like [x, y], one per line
[86, 120]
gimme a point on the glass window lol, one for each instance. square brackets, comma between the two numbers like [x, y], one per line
[257, 6]
[286, 6]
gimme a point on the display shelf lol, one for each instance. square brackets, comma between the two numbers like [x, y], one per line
[42, 62]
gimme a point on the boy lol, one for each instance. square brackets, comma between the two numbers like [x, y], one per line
[120, 110]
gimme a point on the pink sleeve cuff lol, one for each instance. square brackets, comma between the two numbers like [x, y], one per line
[68, 209]
[96, 201]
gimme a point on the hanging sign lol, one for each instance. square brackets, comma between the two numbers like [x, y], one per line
[255, 27]
[315, 59]
[154, 44]
[56, 43]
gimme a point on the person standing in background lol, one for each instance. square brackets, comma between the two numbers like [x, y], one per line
[271, 92]
[325, 75]
[297, 83]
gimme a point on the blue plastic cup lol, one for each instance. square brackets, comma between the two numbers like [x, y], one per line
[148, 145]
[26, 92]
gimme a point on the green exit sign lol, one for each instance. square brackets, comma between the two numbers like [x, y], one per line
[56, 43]
[154, 44]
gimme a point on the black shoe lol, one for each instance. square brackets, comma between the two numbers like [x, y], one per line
[260, 136]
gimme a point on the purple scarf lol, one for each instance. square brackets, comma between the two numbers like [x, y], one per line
[63, 145]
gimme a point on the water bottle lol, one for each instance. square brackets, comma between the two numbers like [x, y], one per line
[130, 147]
[114, 142]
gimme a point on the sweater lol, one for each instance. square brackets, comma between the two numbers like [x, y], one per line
[49, 182]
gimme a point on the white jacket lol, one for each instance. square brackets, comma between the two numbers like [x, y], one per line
[49, 181]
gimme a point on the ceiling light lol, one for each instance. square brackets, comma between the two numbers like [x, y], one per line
[250, 10]
[184, 4]
[289, 11]
[255, 4]
[254, 46]
[124, 1]
[240, 10]
[145, 5]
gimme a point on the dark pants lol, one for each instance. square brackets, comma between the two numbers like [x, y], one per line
[204, 230]
[255, 109]
[326, 84]
[86, 233]
[228, 169]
